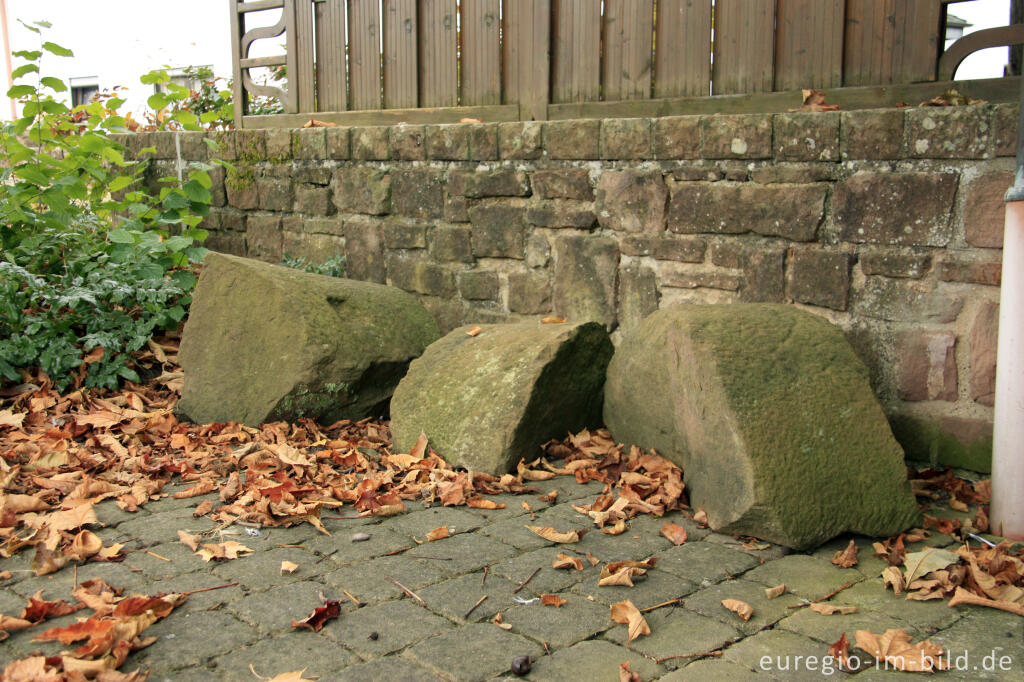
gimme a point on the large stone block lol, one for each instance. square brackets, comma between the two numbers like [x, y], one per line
[498, 230]
[631, 201]
[497, 396]
[418, 193]
[789, 211]
[503, 182]
[364, 250]
[520, 140]
[872, 134]
[807, 136]
[984, 338]
[452, 243]
[818, 277]
[926, 366]
[949, 132]
[266, 343]
[584, 282]
[677, 137]
[736, 136]
[361, 189]
[985, 210]
[945, 441]
[626, 138]
[575, 139]
[901, 209]
[638, 294]
[769, 413]
[571, 183]
[529, 292]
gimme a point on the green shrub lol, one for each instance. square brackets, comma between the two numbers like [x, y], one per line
[88, 258]
[332, 267]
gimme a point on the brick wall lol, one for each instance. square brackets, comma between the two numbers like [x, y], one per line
[887, 222]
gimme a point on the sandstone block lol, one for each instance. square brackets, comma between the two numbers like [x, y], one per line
[945, 441]
[448, 142]
[763, 279]
[266, 343]
[872, 134]
[949, 132]
[370, 144]
[984, 339]
[789, 211]
[279, 144]
[193, 146]
[309, 143]
[403, 235]
[408, 142]
[479, 285]
[795, 456]
[275, 194]
[1004, 134]
[926, 366]
[497, 183]
[900, 209]
[820, 278]
[638, 294]
[313, 200]
[677, 137]
[736, 136]
[626, 138]
[529, 293]
[496, 397]
[558, 214]
[456, 209]
[362, 189]
[985, 210]
[520, 140]
[418, 193]
[972, 272]
[572, 183]
[685, 250]
[263, 237]
[575, 139]
[895, 264]
[631, 201]
[584, 279]
[498, 230]
[364, 250]
[451, 243]
[902, 300]
[338, 147]
[807, 136]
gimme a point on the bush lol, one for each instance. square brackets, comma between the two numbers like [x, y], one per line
[332, 267]
[91, 264]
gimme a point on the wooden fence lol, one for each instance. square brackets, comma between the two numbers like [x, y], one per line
[366, 61]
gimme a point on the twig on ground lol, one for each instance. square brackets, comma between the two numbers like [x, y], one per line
[523, 584]
[208, 589]
[398, 551]
[821, 599]
[154, 554]
[408, 592]
[704, 654]
[354, 600]
[478, 603]
[670, 602]
[435, 558]
[484, 579]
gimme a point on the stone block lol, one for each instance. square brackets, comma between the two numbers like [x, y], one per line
[949, 132]
[902, 300]
[448, 142]
[684, 250]
[727, 254]
[584, 279]
[804, 136]
[677, 137]
[479, 285]
[575, 139]
[224, 241]
[456, 209]
[496, 396]
[370, 144]
[529, 293]
[218, 190]
[418, 193]
[240, 189]
[337, 140]
[872, 134]
[434, 280]
[498, 230]
[677, 277]
[731, 418]
[698, 174]
[483, 141]
[276, 194]
[638, 294]
[538, 251]
[408, 142]
[401, 269]
[520, 140]
[631, 201]
[451, 243]
[971, 272]
[403, 235]
[193, 145]
[736, 136]
[794, 173]
[763, 278]
[312, 175]
[895, 264]
[162, 143]
[316, 248]
[1004, 135]
[364, 250]
[249, 145]
[570, 183]
[558, 214]
[504, 182]
[313, 200]
[983, 341]
[985, 210]
[789, 211]
[818, 277]
[926, 366]
[309, 143]
[279, 144]
[899, 209]
[626, 138]
[362, 189]
[961, 442]
[332, 226]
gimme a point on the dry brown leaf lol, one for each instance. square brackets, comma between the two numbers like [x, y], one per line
[621, 578]
[814, 101]
[475, 331]
[892, 577]
[314, 123]
[224, 551]
[288, 567]
[740, 608]
[627, 675]
[848, 557]
[894, 648]
[830, 609]
[565, 561]
[294, 676]
[675, 533]
[594, 561]
[189, 540]
[85, 545]
[550, 497]
[482, 503]
[552, 535]
[957, 505]
[840, 651]
[501, 623]
[9, 418]
[552, 320]
[700, 517]
[320, 615]
[626, 613]
[773, 592]
[470, 120]
[438, 534]
[551, 600]
[202, 509]
[617, 529]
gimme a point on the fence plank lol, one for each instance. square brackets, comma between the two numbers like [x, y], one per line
[891, 41]
[302, 78]
[576, 51]
[481, 52]
[240, 97]
[809, 44]
[364, 53]
[682, 57]
[438, 69]
[400, 62]
[330, 56]
[628, 37]
[744, 46]
[527, 31]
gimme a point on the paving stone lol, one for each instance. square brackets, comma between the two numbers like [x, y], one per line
[676, 631]
[61, 583]
[110, 514]
[773, 551]
[655, 588]
[805, 576]
[874, 596]
[197, 580]
[868, 564]
[263, 569]
[704, 563]
[465, 553]
[274, 610]
[628, 545]
[418, 524]
[385, 670]
[574, 621]
[164, 526]
[513, 531]
[20, 643]
[714, 669]
[368, 583]
[708, 602]
[595, 661]
[343, 551]
[181, 560]
[11, 603]
[484, 651]
[453, 598]
[981, 633]
[652, 525]
[550, 580]
[828, 629]
[311, 651]
[186, 640]
[397, 624]
[785, 654]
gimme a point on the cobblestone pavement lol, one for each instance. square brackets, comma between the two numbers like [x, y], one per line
[219, 634]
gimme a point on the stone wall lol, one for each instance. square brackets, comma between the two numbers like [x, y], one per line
[887, 222]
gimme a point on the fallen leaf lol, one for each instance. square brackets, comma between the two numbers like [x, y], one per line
[919, 564]
[321, 614]
[740, 608]
[224, 551]
[957, 505]
[500, 623]
[846, 558]
[893, 578]
[482, 503]
[627, 675]
[550, 497]
[9, 418]
[701, 518]
[85, 544]
[552, 320]
[626, 613]
[202, 509]
[552, 535]
[894, 648]
[438, 534]
[565, 561]
[830, 609]
[470, 120]
[551, 600]
[288, 567]
[617, 529]
[773, 592]
[294, 676]
[189, 540]
[594, 561]
[475, 331]
[675, 533]
[814, 101]
[314, 123]
[840, 651]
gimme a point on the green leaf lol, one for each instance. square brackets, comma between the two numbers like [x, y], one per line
[23, 69]
[20, 91]
[202, 177]
[120, 182]
[114, 103]
[175, 200]
[155, 77]
[57, 49]
[33, 174]
[29, 26]
[178, 243]
[121, 237]
[158, 101]
[55, 84]
[29, 55]
[195, 191]
[129, 374]
[43, 24]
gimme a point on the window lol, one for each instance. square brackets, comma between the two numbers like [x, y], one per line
[83, 89]
[189, 77]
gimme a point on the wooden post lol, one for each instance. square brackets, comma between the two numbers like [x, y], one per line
[238, 93]
[533, 34]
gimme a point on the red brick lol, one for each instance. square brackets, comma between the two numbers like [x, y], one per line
[972, 273]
